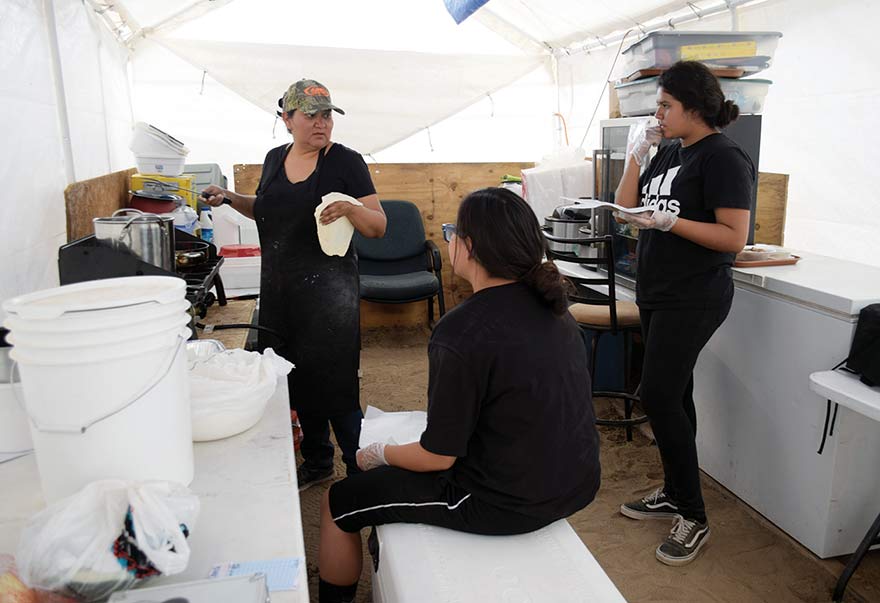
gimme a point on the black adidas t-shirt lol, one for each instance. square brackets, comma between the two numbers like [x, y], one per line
[509, 395]
[691, 182]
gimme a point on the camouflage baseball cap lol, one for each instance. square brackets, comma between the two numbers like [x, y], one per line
[308, 96]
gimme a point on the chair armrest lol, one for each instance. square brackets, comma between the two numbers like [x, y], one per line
[434, 253]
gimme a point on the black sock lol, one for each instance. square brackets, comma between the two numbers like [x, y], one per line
[331, 593]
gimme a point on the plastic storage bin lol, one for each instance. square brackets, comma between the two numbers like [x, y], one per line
[156, 152]
[241, 273]
[750, 50]
[640, 97]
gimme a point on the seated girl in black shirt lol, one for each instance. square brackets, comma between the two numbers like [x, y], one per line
[510, 444]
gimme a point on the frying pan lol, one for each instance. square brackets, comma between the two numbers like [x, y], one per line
[190, 253]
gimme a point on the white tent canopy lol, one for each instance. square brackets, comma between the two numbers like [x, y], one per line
[415, 87]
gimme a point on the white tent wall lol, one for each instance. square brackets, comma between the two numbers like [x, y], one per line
[32, 158]
[216, 124]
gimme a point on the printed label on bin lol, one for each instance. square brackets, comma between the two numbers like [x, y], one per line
[723, 50]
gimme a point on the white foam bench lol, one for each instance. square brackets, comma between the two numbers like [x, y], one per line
[427, 564]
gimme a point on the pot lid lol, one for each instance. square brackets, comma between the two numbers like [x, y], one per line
[96, 295]
[157, 196]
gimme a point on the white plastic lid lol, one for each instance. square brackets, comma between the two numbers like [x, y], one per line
[96, 295]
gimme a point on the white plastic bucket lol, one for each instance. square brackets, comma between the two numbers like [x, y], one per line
[100, 415]
[105, 402]
[15, 435]
[108, 319]
[114, 341]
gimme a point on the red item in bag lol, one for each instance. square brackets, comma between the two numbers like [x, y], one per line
[297, 430]
[240, 251]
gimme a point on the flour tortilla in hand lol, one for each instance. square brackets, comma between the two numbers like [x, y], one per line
[334, 237]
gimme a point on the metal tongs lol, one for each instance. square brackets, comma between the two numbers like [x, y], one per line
[157, 186]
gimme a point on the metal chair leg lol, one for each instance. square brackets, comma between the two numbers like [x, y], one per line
[870, 539]
[431, 312]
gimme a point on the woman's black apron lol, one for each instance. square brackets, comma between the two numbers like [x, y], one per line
[310, 298]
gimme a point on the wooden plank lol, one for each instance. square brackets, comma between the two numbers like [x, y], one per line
[770, 209]
[247, 177]
[95, 198]
[613, 102]
[437, 189]
[236, 311]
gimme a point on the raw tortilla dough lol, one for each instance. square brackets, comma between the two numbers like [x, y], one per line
[335, 237]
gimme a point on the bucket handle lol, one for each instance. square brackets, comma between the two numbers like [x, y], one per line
[161, 374]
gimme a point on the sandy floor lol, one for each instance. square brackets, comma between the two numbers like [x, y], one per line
[747, 560]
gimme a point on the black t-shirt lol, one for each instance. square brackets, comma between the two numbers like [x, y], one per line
[691, 182]
[509, 395]
[343, 170]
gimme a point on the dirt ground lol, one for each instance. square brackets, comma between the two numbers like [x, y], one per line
[747, 559]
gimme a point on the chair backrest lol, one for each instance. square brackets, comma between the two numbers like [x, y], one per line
[605, 275]
[401, 250]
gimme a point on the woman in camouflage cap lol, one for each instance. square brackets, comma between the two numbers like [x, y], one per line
[309, 297]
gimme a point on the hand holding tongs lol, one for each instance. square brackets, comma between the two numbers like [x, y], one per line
[170, 186]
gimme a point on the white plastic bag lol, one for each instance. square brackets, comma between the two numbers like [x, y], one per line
[563, 173]
[70, 546]
[230, 389]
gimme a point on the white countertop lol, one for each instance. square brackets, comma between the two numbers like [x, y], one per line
[841, 286]
[248, 492]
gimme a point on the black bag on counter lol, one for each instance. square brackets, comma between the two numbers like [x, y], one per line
[864, 355]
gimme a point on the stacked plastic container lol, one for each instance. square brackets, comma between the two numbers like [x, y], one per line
[737, 53]
[157, 152]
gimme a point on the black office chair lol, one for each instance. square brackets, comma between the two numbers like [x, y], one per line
[599, 314]
[402, 266]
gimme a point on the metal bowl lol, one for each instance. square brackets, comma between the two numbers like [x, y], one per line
[200, 350]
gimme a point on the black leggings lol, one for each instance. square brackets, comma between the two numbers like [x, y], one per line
[316, 448]
[673, 342]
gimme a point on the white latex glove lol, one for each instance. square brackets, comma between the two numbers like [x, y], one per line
[648, 138]
[658, 220]
[371, 456]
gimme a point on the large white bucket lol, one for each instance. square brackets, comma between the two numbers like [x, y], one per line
[15, 436]
[105, 402]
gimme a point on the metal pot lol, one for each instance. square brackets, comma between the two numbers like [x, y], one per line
[565, 228]
[148, 236]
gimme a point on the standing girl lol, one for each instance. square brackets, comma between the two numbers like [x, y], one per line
[701, 189]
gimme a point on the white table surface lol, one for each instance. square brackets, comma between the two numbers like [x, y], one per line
[248, 492]
[846, 389]
[838, 285]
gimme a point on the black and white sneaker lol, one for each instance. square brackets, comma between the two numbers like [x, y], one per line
[307, 478]
[656, 505]
[684, 542]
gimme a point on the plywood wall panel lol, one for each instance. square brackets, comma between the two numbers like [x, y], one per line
[770, 210]
[94, 198]
[437, 189]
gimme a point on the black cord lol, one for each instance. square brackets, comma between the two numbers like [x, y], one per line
[282, 342]
[826, 431]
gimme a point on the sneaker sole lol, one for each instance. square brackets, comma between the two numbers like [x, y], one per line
[679, 561]
[633, 514]
[308, 485]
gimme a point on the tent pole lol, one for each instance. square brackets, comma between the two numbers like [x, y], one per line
[58, 84]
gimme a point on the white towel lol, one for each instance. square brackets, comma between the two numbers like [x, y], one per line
[334, 237]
